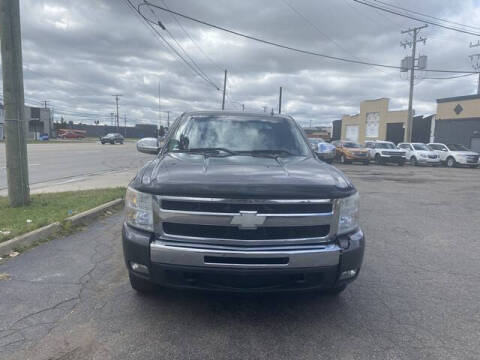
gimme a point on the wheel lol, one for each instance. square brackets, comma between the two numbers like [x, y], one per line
[366, 162]
[121, 142]
[378, 159]
[141, 285]
[112, 142]
[103, 143]
[451, 162]
[413, 161]
[344, 160]
[336, 290]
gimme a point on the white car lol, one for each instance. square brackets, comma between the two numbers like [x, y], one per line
[419, 153]
[385, 152]
[455, 154]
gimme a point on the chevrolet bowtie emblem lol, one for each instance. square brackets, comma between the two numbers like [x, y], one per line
[248, 220]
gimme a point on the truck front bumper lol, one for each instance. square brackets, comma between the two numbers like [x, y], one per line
[246, 269]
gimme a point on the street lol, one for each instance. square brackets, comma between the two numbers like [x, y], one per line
[75, 166]
[416, 296]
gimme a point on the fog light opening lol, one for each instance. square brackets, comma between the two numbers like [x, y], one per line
[143, 269]
[344, 242]
[348, 274]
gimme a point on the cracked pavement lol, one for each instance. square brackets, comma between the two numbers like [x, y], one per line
[417, 296]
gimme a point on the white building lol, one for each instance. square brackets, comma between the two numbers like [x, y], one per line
[39, 122]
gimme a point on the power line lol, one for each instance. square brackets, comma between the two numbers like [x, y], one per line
[416, 18]
[180, 46]
[312, 24]
[426, 15]
[192, 40]
[175, 51]
[291, 48]
[449, 77]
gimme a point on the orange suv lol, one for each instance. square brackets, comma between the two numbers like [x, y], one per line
[348, 152]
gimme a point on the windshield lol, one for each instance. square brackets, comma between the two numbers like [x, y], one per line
[236, 133]
[457, 147]
[351, 145]
[421, 147]
[385, 146]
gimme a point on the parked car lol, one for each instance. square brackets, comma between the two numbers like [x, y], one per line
[324, 150]
[455, 154]
[383, 152]
[222, 209]
[44, 137]
[113, 138]
[348, 152]
[419, 153]
[71, 134]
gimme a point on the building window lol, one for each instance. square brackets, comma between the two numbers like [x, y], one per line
[34, 113]
[371, 128]
[351, 133]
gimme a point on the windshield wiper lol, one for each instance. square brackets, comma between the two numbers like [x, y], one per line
[209, 151]
[271, 153]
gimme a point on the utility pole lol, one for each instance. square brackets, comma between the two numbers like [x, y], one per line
[125, 125]
[243, 107]
[168, 119]
[111, 118]
[280, 101]
[116, 100]
[14, 102]
[475, 59]
[413, 44]
[224, 89]
[265, 109]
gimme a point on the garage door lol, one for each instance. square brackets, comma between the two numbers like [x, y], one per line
[475, 144]
[395, 132]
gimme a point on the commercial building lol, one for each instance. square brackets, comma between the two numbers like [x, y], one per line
[39, 121]
[376, 122]
[458, 121]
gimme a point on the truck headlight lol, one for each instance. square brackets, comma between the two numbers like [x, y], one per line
[139, 209]
[348, 213]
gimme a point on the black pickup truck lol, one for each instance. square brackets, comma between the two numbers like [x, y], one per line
[239, 202]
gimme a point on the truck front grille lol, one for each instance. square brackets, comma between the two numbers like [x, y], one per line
[230, 232]
[245, 222]
[223, 207]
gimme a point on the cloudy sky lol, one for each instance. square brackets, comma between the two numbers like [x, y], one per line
[76, 54]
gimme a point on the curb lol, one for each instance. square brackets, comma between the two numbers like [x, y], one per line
[82, 218]
[27, 239]
[88, 216]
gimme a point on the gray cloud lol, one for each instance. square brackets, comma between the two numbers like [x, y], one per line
[78, 53]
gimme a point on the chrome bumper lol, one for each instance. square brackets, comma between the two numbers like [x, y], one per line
[318, 256]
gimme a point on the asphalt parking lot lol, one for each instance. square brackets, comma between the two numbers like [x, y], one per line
[417, 296]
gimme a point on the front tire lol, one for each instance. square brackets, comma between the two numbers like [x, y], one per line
[378, 159]
[451, 162]
[141, 285]
[413, 161]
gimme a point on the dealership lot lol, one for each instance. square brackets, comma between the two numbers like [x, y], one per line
[416, 296]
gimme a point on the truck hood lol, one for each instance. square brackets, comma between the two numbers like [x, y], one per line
[182, 174]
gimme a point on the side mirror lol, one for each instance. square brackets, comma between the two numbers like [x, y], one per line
[148, 146]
